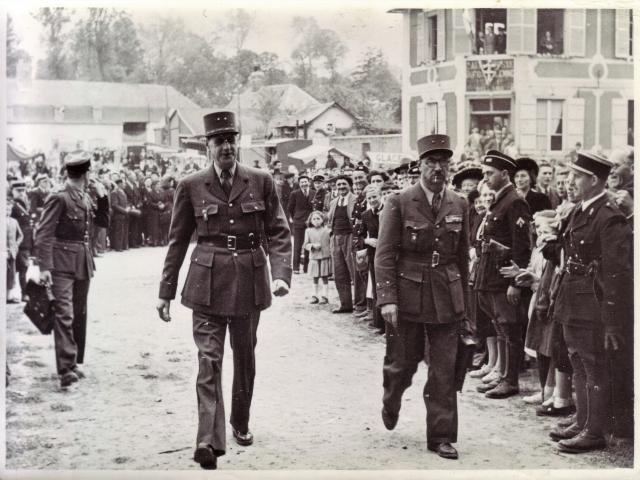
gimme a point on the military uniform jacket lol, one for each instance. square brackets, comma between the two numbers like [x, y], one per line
[597, 287]
[508, 221]
[221, 281]
[62, 240]
[404, 260]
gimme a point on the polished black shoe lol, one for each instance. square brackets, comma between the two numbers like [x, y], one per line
[444, 449]
[567, 422]
[244, 439]
[342, 310]
[66, 379]
[79, 373]
[551, 411]
[390, 420]
[206, 457]
[314, 300]
[571, 431]
[583, 442]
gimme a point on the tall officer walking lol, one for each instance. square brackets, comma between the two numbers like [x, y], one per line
[421, 265]
[239, 220]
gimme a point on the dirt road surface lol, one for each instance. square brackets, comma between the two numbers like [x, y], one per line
[316, 403]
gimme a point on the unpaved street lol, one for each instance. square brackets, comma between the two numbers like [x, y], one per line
[316, 403]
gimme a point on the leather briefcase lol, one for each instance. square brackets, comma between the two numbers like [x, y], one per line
[464, 359]
[39, 308]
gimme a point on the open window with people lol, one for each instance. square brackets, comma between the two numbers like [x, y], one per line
[491, 28]
[550, 23]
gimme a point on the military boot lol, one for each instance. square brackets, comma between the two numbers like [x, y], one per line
[559, 433]
[583, 442]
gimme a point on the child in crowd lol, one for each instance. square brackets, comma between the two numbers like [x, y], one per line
[14, 238]
[316, 241]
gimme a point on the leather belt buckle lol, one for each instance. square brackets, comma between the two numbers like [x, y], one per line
[231, 242]
[435, 259]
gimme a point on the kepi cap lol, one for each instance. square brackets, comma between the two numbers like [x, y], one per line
[496, 159]
[592, 164]
[434, 143]
[217, 123]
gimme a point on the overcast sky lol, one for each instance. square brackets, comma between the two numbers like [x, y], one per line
[359, 27]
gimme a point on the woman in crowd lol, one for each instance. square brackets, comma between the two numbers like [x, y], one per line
[525, 182]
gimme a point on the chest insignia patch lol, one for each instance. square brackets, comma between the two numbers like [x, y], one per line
[453, 218]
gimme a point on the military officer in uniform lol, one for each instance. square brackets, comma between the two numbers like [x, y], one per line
[64, 254]
[505, 240]
[595, 299]
[239, 221]
[421, 270]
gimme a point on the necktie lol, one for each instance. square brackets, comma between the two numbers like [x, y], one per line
[435, 204]
[226, 182]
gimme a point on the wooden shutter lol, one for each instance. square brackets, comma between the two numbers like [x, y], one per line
[440, 22]
[460, 35]
[420, 118]
[618, 122]
[529, 30]
[573, 123]
[413, 39]
[420, 39]
[622, 32]
[575, 31]
[527, 128]
[442, 118]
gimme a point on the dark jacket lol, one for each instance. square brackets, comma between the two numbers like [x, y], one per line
[368, 228]
[408, 235]
[508, 222]
[537, 202]
[20, 211]
[221, 281]
[300, 207]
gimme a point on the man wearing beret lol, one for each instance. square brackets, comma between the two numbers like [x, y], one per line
[421, 270]
[235, 212]
[595, 300]
[299, 208]
[65, 257]
[505, 239]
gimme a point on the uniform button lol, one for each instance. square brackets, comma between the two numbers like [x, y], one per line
[235, 254]
[437, 239]
[581, 241]
[438, 225]
[255, 207]
[231, 204]
[231, 221]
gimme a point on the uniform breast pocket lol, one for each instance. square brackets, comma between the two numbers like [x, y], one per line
[585, 306]
[417, 236]
[410, 288]
[255, 206]
[204, 217]
[453, 231]
[64, 258]
[197, 287]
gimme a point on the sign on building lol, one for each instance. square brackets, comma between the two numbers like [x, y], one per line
[489, 74]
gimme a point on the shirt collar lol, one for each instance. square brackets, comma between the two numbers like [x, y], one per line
[502, 189]
[218, 170]
[428, 192]
[587, 203]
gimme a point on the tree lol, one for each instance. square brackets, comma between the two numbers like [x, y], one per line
[239, 23]
[268, 108]
[55, 65]
[14, 53]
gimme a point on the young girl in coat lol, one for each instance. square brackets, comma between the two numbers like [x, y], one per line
[316, 242]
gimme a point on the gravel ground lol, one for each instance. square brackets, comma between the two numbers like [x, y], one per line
[316, 403]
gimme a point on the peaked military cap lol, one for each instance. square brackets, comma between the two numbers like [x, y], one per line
[592, 164]
[434, 143]
[78, 161]
[217, 123]
[496, 159]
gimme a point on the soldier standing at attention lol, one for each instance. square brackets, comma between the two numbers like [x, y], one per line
[421, 269]
[239, 221]
[505, 239]
[64, 253]
[594, 301]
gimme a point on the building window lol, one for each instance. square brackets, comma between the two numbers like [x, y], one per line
[58, 114]
[432, 22]
[491, 31]
[550, 31]
[549, 125]
[431, 118]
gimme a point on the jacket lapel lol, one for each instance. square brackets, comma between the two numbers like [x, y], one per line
[421, 201]
[240, 182]
[213, 183]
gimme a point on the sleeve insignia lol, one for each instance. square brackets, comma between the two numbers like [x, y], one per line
[520, 222]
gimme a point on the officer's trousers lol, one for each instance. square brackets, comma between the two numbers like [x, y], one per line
[437, 345]
[343, 268]
[590, 377]
[70, 324]
[298, 239]
[209, 332]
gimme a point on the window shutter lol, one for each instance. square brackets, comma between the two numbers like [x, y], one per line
[618, 122]
[413, 39]
[441, 52]
[529, 31]
[460, 35]
[622, 33]
[420, 118]
[420, 39]
[514, 30]
[574, 123]
[442, 118]
[527, 125]
[575, 31]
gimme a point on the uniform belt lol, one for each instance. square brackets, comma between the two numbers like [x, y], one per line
[428, 259]
[576, 268]
[232, 242]
[69, 240]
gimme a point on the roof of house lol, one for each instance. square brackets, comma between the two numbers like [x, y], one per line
[289, 97]
[97, 94]
[308, 114]
[193, 118]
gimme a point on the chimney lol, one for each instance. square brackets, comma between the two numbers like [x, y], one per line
[256, 79]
